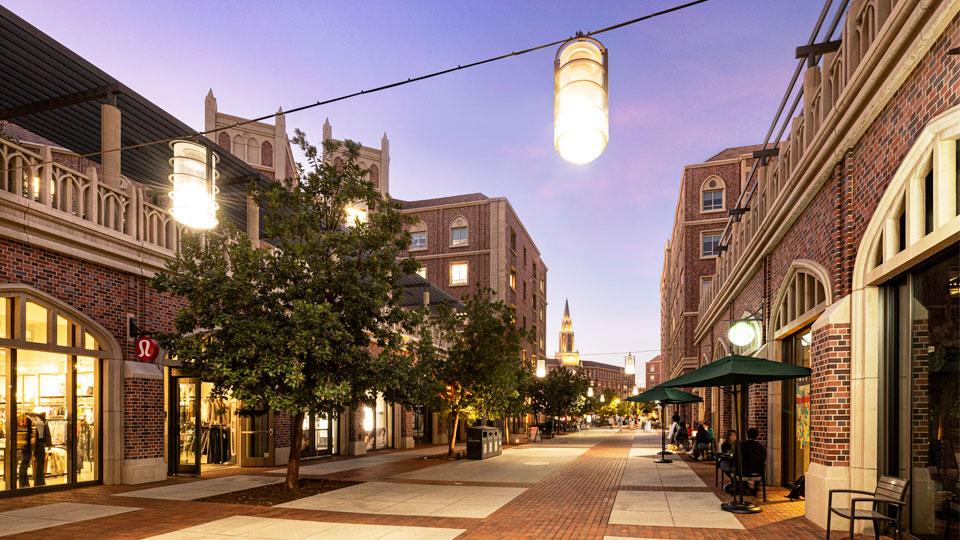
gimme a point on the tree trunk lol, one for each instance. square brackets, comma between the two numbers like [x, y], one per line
[506, 430]
[453, 434]
[293, 464]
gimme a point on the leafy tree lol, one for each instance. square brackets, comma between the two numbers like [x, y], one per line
[312, 323]
[564, 392]
[470, 361]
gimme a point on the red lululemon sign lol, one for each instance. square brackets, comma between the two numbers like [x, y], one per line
[147, 349]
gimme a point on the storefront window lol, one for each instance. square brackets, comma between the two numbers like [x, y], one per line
[920, 396]
[377, 424]
[218, 433]
[796, 408]
[36, 323]
[49, 399]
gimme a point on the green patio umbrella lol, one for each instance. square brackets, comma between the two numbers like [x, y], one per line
[664, 396]
[738, 372]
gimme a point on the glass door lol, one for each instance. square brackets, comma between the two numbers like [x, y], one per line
[186, 400]
[795, 409]
[256, 440]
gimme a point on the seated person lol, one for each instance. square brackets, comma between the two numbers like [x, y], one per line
[682, 436]
[702, 441]
[754, 455]
[725, 461]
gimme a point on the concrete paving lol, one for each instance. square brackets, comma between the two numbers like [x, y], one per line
[260, 528]
[527, 464]
[189, 491]
[330, 467]
[699, 510]
[54, 515]
[642, 471]
[410, 500]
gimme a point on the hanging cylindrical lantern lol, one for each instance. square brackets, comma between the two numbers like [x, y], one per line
[629, 366]
[636, 390]
[541, 368]
[590, 391]
[581, 120]
[194, 182]
[602, 399]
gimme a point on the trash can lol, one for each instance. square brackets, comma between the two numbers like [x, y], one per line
[483, 442]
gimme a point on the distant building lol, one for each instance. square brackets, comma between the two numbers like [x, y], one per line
[468, 241]
[653, 370]
[602, 376]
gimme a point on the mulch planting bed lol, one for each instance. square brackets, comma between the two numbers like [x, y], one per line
[277, 493]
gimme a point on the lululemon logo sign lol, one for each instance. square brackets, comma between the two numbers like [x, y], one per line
[147, 349]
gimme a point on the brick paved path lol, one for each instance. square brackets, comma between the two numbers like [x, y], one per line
[573, 502]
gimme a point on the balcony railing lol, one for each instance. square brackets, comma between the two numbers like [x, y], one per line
[821, 90]
[36, 177]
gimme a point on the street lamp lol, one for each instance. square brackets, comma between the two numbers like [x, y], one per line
[590, 392]
[741, 333]
[602, 399]
[541, 368]
[581, 119]
[194, 182]
[629, 365]
[636, 390]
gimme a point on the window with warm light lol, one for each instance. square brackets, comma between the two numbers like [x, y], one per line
[36, 324]
[513, 278]
[355, 215]
[418, 240]
[458, 273]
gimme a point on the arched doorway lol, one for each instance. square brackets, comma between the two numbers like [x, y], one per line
[51, 391]
[905, 311]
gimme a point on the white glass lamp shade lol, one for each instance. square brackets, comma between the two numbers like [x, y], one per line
[741, 333]
[581, 120]
[602, 399]
[194, 195]
[541, 368]
[629, 366]
[636, 390]
[589, 391]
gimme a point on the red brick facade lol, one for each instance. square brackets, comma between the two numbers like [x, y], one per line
[830, 395]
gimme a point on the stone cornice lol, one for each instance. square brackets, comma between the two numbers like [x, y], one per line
[37, 225]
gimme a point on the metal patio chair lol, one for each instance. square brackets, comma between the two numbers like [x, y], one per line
[890, 490]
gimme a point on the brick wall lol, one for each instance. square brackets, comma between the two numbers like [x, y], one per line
[830, 395]
[142, 418]
[758, 410]
[281, 429]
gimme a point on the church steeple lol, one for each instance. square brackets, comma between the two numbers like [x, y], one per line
[566, 353]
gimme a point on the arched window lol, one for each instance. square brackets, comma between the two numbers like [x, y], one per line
[375, 175]
[418, 236]
[224, 140]
[712, 195]
[239, 147]
[54, 354]
[459, 232]
[253, 151]
[803, 296]
[266, 154]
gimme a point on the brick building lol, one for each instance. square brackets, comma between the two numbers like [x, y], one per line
[845, 258]
[79, 241]
[653, 371]
[466, 241]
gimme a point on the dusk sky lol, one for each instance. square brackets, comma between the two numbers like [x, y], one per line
[682, 87]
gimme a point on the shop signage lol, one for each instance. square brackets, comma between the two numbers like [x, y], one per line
[147, 349]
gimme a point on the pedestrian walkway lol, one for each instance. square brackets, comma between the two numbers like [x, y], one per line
[54, 515]
[330, 467]
[601, 485]
[190, 491]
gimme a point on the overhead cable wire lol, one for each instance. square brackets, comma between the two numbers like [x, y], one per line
[396, 84]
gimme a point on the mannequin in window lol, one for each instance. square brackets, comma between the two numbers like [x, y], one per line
[33, 440]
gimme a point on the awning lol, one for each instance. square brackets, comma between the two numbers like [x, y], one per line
[53, 92]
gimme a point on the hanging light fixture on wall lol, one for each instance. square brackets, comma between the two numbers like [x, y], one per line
[629, 365]
[541, 368]
[581, 119]
[194, 182]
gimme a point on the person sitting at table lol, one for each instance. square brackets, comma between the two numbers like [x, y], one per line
[682, 436]
[725, 460]
[703, 440]
[754, 456]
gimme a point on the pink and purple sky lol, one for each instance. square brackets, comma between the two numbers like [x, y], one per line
[682, 87]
